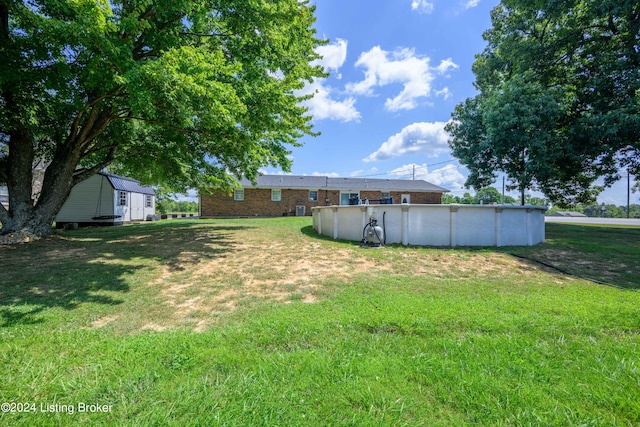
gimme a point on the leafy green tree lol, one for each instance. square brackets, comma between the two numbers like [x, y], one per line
[488, 195]
[164, 205]
[177, 93]
[485, 196]
[559, 98]
[536, 201]
[448, 199]
[468, 199]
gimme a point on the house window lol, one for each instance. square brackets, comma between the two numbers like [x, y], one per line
[313, 196]
[349, 198]
[148, 201]
[238, 194]
[385, 195]
[122, 197]
[276, 195]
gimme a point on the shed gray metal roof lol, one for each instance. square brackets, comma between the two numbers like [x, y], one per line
[127, 184]
[345, 184]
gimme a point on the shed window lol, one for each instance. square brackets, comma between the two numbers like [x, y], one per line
[276, 195]
[122, 198]
[238, 194]
[313, 196]
[148, 200]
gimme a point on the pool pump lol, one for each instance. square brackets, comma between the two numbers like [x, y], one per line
[373, 234]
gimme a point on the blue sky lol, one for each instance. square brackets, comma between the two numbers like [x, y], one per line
[397, 70]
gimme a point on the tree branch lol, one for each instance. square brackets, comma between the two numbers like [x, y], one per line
[87, 173]
[97, 149]
[4, 21]
[175, 128]
[187, 33]
[102, 122]
[138, 52]
[75, 125]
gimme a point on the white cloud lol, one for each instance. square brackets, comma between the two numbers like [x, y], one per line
[448, 177]
[471, 3]
[329, 174]
[421, 137]
[446, 65]
[422, 6]
[445, 93]
[366, 172]
[401, 66]
[322, 106]
[333, 56]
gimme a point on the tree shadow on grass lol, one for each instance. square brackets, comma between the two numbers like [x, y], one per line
[310, 232]
[605, 254]
[99, 265]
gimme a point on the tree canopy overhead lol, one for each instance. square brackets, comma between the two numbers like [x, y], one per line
[182, 93]
[559, 98]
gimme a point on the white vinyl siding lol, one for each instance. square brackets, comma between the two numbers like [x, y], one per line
[96, 198]
[87, 200]
[4, 195]
[137, 206]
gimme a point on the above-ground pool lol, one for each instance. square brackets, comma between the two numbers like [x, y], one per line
[436, 225]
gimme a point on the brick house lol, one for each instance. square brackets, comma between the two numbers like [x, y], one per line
[282, 195]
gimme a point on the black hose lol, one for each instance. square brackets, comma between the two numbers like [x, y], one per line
[364, 239]
[384, 229]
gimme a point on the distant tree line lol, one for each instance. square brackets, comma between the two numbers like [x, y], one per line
[491, 195]
[609, 211]
[164, 206]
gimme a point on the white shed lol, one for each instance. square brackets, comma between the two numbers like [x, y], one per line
[4, 196]
[107, 199]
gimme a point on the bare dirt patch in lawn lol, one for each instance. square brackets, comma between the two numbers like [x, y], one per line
[259, 271]
[104, 320]
[298, 269]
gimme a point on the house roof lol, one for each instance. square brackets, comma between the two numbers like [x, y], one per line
[344, 184]
[127, 184]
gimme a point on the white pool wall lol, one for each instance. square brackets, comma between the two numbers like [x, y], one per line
[437, 225]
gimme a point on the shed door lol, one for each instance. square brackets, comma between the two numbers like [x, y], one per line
[137, 207]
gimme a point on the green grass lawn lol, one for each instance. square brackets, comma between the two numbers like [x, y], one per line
[261, 322]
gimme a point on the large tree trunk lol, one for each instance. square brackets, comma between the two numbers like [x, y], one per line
[24, 212]
[36, 214]
[28, 219]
